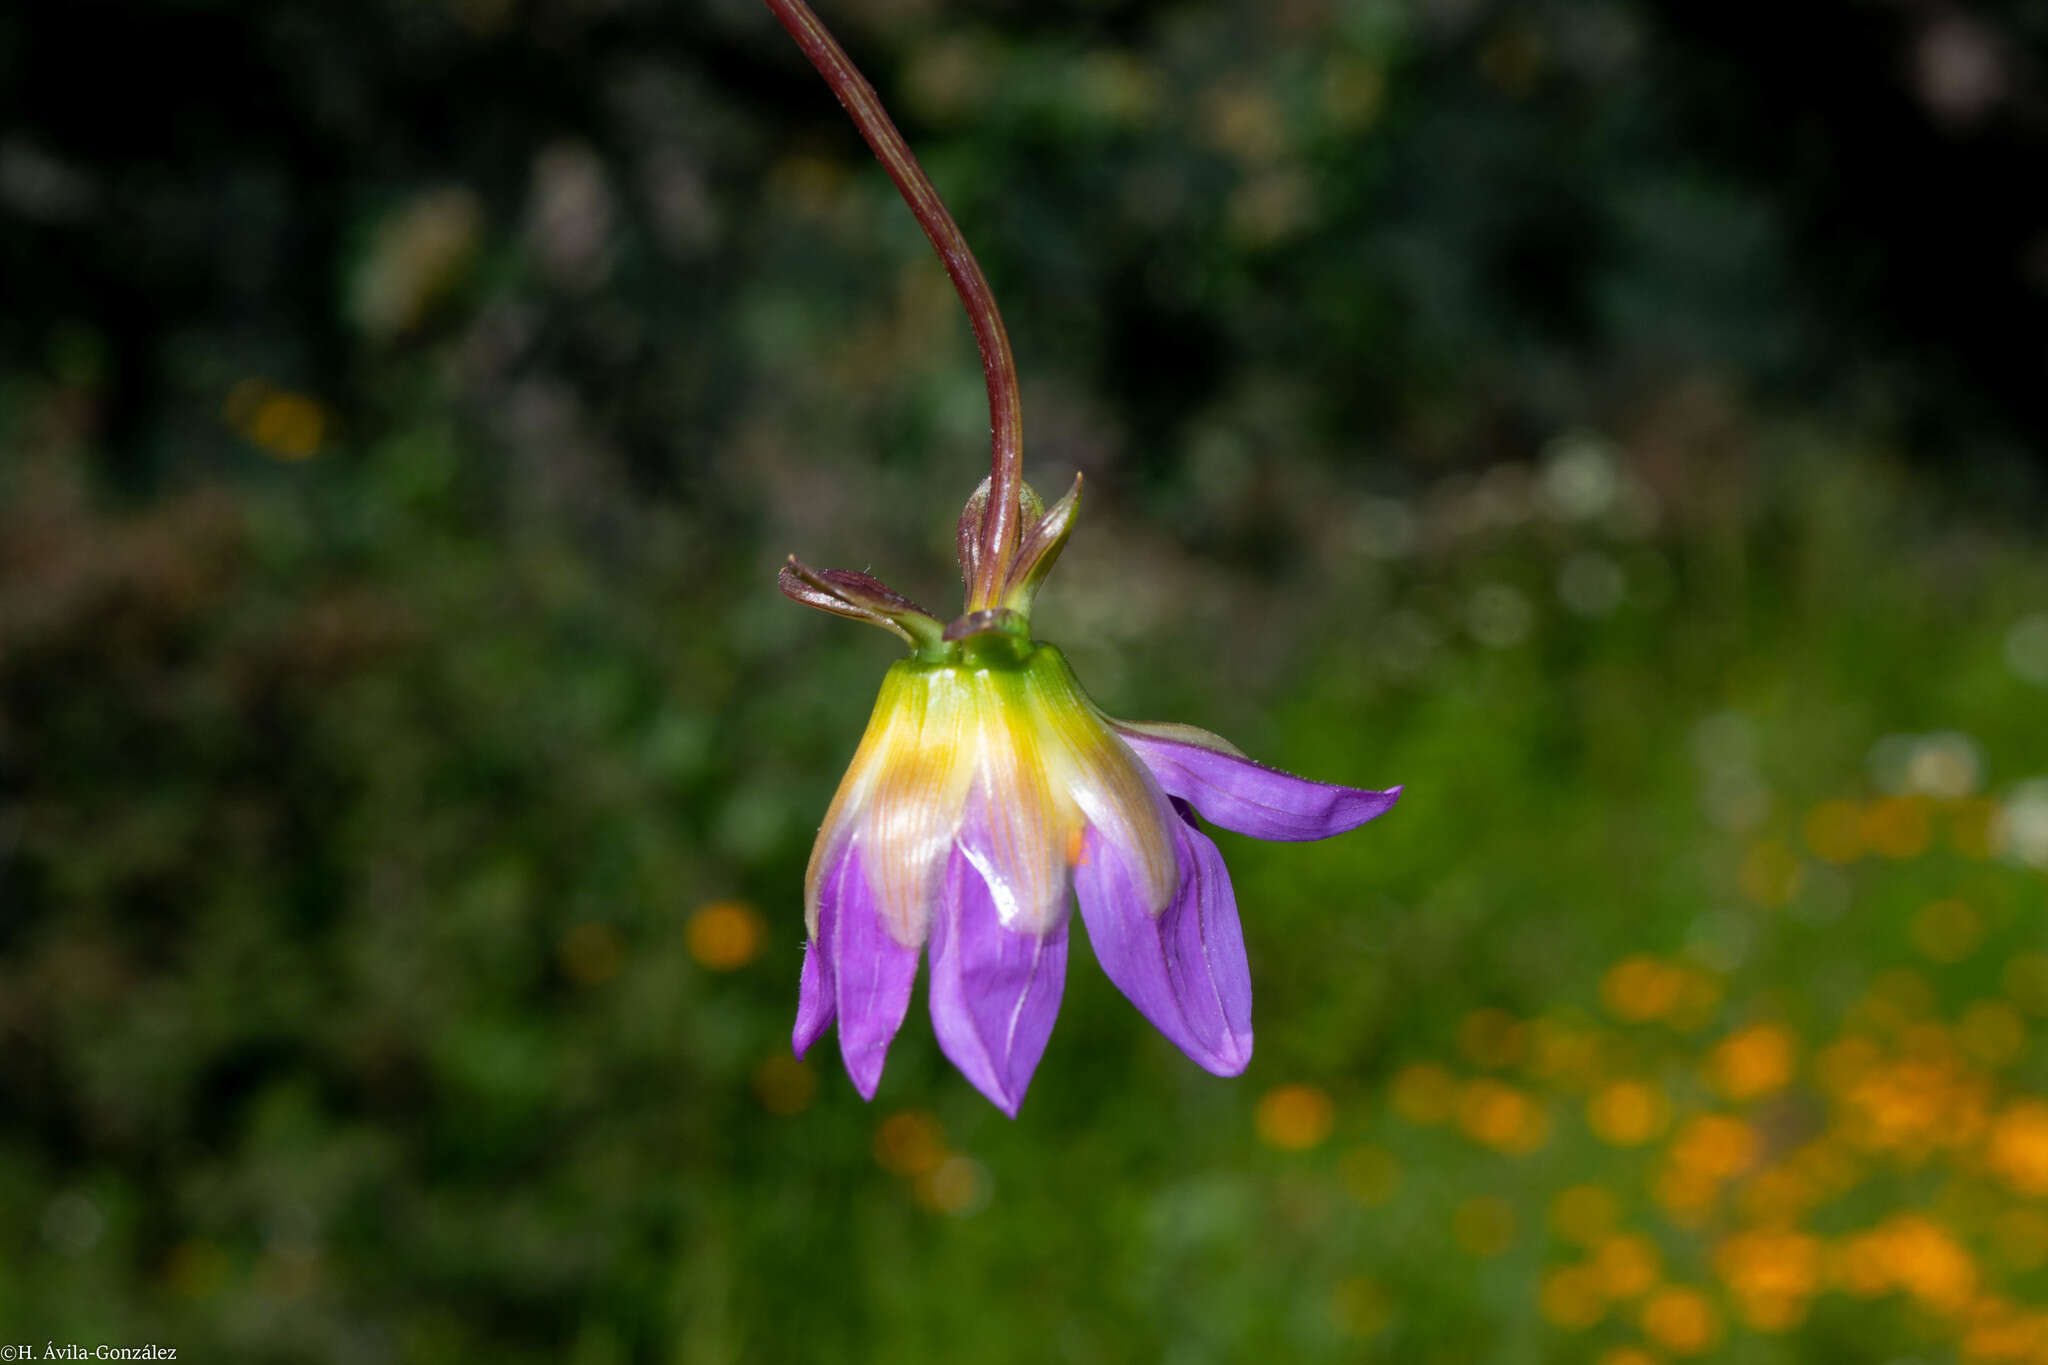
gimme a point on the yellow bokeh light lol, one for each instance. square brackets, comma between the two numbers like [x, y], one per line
[1834, 831]
[1681, 1320]
[2018, 1149]
[1641, 988]
[288, 426]
[1947, 931]
[956, 1185]
[1584, 1214]
[1754, 1062]
[725, 935]
[1770, 874]
[1502, 1117]
[2001, 1333]
[1629, 1265]
[1908, 1252]
[1493, 1038]
[1571, 1298]
[1780, 1195]
[1898, 826]
[910, 1143]
[1626, 1355]
[1715, 1146]
[1294, 1118]
[1484, 1226]
[1771, 1273]
[1771, 1312]
[1930, 1264]
[1915, 1106]
[1627, 1113]
[1425, 1093]
[1857, 1265]
[1568, 1055]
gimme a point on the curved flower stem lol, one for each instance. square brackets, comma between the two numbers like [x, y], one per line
[1000, 529]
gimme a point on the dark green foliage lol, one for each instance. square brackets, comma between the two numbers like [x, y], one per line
[407, 765]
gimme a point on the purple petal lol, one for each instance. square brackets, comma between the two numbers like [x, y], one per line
[1185, 968]
[814, 994]
[870, 973]
[995, 992]
[1238, 794]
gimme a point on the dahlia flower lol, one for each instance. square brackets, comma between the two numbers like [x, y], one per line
[989, 790]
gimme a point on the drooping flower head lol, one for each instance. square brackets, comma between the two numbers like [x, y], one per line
[989, 792]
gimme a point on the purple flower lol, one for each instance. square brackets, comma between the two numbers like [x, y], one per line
[988, 785]
[986, 788]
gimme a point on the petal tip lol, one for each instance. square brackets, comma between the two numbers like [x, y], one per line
[816, 1007]
[995, 992]
[871, 974]
[1004, 1092]
[1230, 1060]
[1365, 806]
[1009, 1104]
[1248, 797]
[1186, 969]
[864, 1068]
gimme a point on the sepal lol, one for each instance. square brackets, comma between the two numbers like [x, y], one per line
[1040, 550]
[972, 543]
[859, 597]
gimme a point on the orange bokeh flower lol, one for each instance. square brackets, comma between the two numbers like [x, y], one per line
[1682, 1320]
[1627, 1113]
[1294, 1118]
[1502, 1117]
[2018, 1147]
[1753, 1062]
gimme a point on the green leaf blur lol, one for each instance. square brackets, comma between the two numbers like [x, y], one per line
[407, 764]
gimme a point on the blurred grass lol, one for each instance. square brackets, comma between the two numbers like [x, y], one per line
[403, 929]
[407, 767]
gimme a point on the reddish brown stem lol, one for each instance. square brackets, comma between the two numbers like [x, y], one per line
[1000, 531]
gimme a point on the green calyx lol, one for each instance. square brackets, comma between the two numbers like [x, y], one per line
[997, 640]
[1032, 664]
[984, 631]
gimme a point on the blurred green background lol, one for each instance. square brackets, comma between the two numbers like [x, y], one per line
[1619, 423]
